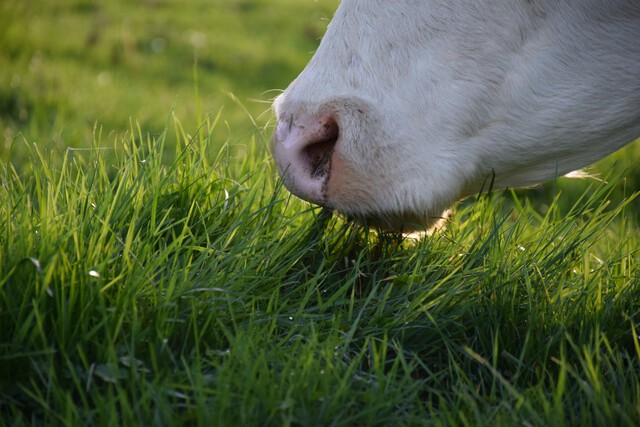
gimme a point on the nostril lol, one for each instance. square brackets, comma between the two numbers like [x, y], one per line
[304, 147]
[320, 148]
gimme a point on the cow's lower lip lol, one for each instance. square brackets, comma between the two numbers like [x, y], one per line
[405, 222]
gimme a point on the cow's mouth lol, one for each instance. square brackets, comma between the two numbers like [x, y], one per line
[395, 222]
[403, 222]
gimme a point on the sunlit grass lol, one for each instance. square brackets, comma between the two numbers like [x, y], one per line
[198, 291]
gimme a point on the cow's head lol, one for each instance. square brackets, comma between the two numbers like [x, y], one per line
[410, 105]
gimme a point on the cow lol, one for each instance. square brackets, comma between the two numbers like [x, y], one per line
[410, 105]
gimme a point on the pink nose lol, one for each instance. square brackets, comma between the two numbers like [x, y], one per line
[302, 148]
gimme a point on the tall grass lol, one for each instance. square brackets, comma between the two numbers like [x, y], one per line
[136, 291]
[161, 275]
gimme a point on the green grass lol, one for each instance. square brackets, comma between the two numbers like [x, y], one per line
[198, 291]
[69, 64]
[159, 274]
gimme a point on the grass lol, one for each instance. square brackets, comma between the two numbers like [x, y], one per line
[139, 292]
[160, 275]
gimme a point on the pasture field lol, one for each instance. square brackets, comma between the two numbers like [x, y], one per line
[153, 271]
[69, 65]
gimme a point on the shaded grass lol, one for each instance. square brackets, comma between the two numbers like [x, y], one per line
[139, 291]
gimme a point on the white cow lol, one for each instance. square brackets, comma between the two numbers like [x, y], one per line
[410, 105]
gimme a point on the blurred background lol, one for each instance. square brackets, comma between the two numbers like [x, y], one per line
[67, 66]
[81, 73]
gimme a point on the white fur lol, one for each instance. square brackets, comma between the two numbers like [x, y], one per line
[434, 99]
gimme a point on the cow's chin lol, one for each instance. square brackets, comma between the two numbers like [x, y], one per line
[404, 223]
[365, 204]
